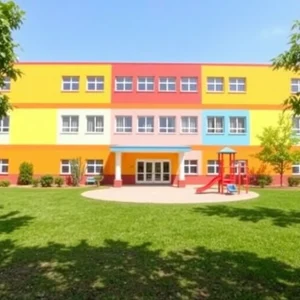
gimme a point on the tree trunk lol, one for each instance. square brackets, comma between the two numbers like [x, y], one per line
[281, 179]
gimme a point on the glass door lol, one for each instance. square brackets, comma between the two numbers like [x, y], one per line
[153, 172]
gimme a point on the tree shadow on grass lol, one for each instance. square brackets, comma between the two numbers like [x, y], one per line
[11, 221]
[278, 217]
[118, 270]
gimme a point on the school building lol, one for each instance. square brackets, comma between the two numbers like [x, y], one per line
[140, 123]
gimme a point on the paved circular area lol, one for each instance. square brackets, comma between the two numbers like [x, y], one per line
[164, 194]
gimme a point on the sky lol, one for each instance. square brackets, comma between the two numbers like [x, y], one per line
[232, 31]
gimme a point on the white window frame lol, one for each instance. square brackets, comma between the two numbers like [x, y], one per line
[95, 81]
[97, 129]
[6, 85]
[95, 163]
[214, 130]
[297, 128]
[4, 163]
[123, 80]
[72, 80]
[188, 129]
[189, 164]
[124, 127]
[235, 83]
[147, 81]
[296, 165]
[64, 165]
[237, 129]
[2, 127]
[215, 82]
[168, 81]
[215, 165]
[70, 127]
[188, 82]
[295, 84]
[243, 163]
[167, 128]
[146, 128]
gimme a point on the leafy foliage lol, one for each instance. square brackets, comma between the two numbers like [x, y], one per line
[294, 181]
[11, 18]
[25, 173]
[290, 61]
[35, 182]
[77, 171]
[46, 180]
[4, 183]
[59, 181]
[277, 146]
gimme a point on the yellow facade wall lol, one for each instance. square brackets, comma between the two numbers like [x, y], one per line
[263, 85]
[33, 126]
[260, 119]
[42, 83]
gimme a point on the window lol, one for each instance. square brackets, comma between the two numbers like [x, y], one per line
[237, 85]
[70, 83]
[295, 85]
[242, 165]
[95, 83]
[70, 123]
[237, 125]
[4, 125]
[6, 84]
[191, 167]
[215, 84]
[145, 84]
[215, 125]
[65, 166]
[167, 124]
[145, 124]
[95, 124]
[189, 84]
[167, 84]
[296, 168]
[3, 166]
[94, 166]
[189, 124]
[296, 125]
[123, 124]
[212, 167]
[123, 84]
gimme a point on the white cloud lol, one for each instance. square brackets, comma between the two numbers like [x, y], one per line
[269, 33]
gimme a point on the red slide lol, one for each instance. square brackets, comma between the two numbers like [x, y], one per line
[208, 185]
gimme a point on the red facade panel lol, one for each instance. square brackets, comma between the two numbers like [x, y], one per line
[156, 71]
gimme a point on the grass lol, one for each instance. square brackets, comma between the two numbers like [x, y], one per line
[54, 244]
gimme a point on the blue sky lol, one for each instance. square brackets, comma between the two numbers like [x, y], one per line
[155, 30]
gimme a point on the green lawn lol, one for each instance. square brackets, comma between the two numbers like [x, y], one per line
[54, 244]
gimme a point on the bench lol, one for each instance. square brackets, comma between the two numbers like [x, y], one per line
[90, 180]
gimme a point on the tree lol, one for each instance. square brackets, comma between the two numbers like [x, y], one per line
[11, 18]
[277, 146]
[77, 171]
[290, 60]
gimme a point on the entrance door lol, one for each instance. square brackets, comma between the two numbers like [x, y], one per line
[153, 172]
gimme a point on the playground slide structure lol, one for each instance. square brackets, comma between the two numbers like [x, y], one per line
[208, 185]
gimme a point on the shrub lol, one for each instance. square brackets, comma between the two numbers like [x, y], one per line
[4, 183]
[59, 181]
[77, 171]
[25, 173]
[98, 179]
[46, 181]
[35, 182]
[262, 182]
[256, 179]
[293, 181]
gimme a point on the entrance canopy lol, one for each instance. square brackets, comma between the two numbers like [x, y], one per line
[151, 149]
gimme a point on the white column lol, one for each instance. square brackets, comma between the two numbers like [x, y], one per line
[118, 166]
[181, 166]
